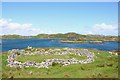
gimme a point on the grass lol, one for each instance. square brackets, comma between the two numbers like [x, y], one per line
[91, 70]
[40, 58]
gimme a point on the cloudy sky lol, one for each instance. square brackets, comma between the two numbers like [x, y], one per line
[31, 18]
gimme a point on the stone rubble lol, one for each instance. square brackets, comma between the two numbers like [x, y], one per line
[48, 62]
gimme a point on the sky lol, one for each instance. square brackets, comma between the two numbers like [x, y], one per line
[32, 18]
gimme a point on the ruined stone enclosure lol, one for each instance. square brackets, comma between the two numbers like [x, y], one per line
[53, 57]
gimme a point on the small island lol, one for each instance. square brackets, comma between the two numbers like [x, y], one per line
[82, 42]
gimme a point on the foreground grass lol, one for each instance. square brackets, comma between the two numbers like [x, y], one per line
[105, 66]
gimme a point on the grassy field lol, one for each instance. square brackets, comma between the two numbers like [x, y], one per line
[39, 58]
[104, 66]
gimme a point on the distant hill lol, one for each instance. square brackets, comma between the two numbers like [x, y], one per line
[14, 36]
[70, 35]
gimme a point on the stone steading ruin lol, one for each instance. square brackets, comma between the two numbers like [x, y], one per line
[48, 62]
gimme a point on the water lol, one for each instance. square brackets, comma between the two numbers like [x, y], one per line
[8, 44]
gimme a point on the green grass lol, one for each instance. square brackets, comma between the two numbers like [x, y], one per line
[0, 65]
[91, 70]
[40, 58]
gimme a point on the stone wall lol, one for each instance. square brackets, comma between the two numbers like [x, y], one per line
[48, 62]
